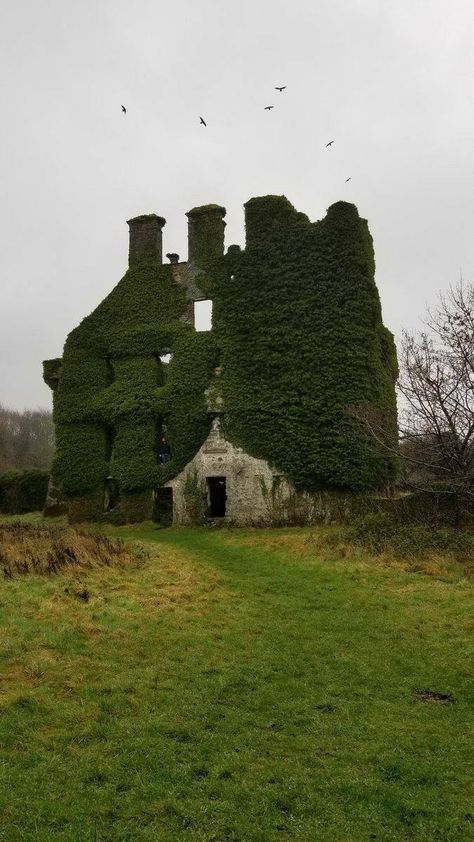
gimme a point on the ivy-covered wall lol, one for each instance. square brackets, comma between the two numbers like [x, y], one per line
[298, 338]
[206, 243]
[299, 325]
[115, 397]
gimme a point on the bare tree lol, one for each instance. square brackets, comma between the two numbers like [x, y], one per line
[436, 387]
[26, 439]
[437, 384]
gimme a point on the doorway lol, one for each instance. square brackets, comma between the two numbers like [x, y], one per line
[217, 496]
[163, 506]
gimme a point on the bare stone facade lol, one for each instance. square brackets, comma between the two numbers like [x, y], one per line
[225, 483]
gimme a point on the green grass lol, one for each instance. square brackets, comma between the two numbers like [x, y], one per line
[237, 686]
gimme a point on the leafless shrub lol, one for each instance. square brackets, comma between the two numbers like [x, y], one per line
[26, 439]
[436, 386]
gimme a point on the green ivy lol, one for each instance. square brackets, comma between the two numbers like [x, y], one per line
[298, 338]
[115, 397]
[206, 243]
[302, 340]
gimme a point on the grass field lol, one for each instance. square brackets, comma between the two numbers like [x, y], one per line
[237, 686]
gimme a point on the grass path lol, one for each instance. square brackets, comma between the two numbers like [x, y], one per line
[235, 687]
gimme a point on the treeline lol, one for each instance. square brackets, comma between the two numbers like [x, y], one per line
[26, 439]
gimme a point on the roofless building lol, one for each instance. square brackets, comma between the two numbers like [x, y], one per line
[157, 419]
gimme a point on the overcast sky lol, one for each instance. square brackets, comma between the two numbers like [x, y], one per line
[390, 80]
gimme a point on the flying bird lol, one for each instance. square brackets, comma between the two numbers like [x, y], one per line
[330, 143]
[347, 179]
[124, 110]
[269, 107]
[283, 87]
[202, 122]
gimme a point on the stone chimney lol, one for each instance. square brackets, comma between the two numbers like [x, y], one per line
[145, 238]
[206, 235]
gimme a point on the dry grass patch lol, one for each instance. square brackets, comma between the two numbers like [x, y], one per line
[111, 595]
[44, 549]
[179, 584]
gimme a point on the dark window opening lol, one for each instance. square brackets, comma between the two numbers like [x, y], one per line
[160, 372]
[217, 496]
[163, 506]
[112, 494]
[109, 443]
[164, 451]
[162, 446]
[109, 371]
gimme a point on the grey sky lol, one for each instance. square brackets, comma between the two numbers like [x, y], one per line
[390, 80]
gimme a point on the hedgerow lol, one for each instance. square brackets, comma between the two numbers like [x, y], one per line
[23, 491]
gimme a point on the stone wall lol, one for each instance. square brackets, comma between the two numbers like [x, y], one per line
[253, 488]
[186, 275]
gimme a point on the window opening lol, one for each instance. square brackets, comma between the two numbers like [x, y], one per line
[163, 506]
[110, 434]
[109, 370]
[112, 494]
[203, 315]
[217, 496]
[164, 449]
[160, 371]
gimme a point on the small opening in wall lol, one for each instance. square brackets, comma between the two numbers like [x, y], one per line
[109, 370]
[109, 443]
[162, 445]
[203, 315]
[160, 371]
[217, 496]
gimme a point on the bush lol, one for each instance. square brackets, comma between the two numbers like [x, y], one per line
[23, 491]
[380, 532]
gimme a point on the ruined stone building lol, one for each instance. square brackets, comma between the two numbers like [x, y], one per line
[155, 419]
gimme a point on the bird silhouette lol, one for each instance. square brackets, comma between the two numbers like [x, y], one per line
[330, 143]
[124, 110]
[347, 179]
[283, 87]
[269, 107]
[202, 122]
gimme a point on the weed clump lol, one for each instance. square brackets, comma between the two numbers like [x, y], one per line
[44, 549]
